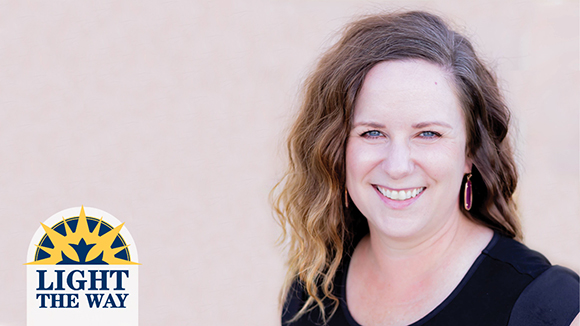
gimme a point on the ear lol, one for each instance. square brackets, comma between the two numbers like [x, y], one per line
[468, 165]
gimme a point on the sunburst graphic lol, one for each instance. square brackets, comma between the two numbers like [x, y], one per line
[98, 243]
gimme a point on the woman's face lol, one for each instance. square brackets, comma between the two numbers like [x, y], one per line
[405, 155]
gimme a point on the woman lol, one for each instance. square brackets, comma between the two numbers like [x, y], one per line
[398, 198]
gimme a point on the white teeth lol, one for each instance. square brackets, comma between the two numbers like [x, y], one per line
[400, 195]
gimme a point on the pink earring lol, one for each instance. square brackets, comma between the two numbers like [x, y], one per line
[345, 198]
[467, 193]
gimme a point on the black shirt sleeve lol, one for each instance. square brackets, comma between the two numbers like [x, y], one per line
[551, 299]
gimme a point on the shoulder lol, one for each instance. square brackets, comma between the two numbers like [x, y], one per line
[552, 295]
[516, 255]
[295, 300]
[551, 299]
[298, 296]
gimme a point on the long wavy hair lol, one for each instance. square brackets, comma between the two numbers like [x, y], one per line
[310, 201]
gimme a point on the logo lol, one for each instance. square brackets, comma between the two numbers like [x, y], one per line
[82, 269]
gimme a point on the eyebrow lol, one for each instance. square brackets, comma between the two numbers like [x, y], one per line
[430, 123]
[369, 124]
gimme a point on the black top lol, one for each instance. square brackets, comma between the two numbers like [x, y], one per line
[508, 284]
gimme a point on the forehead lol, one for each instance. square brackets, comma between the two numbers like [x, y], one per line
[410, 89]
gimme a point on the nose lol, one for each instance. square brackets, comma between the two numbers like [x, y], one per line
[397, 162]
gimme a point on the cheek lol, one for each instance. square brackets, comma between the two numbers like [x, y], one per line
[361, 158]
[443, 161]
[351, 163]
[354, 165]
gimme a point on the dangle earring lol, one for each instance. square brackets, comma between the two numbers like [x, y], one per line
[467, 193]
[345, 198]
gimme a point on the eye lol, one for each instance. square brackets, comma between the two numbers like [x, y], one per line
[429, 134]
[372, 134]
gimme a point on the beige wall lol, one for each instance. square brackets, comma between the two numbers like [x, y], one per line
[170, 115]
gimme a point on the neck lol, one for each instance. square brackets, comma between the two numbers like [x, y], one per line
[416, 255]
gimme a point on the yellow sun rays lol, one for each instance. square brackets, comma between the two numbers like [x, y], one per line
[102, 243]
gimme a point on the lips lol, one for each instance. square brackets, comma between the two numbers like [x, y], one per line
[400, 195]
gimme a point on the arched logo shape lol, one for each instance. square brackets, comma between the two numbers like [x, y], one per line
[82, 268]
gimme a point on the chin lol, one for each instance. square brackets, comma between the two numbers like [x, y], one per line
[397, 228]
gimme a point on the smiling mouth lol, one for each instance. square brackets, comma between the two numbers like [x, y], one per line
[401, 194]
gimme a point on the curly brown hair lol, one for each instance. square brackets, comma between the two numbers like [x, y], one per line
[311, 198]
